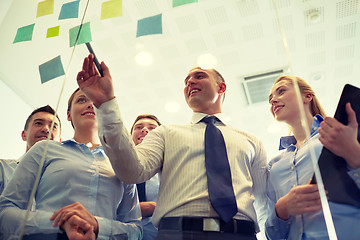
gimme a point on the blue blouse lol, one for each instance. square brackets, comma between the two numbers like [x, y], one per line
[293, 167]
[71, 173]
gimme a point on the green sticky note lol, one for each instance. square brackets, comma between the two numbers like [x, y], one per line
[51, 69]
[148, 26]
[110, 9]
[52, 32]
[83, 37]
[45, 8]
[24, 33]
[69, 10]
[177, 3]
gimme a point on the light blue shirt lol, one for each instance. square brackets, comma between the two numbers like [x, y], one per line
[293, 167]
[7, 168]
[71, 173]
[151, 191]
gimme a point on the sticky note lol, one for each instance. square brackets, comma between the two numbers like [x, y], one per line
[177, 3]
[51, 69]
[83, 37]
[110, 9]
[150, 25]
[45, 8]
[52, 32]
[69, 10]
[24, 33]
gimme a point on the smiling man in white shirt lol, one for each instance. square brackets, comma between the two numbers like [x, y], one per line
[184, 210]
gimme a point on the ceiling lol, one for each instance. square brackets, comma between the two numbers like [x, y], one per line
[323, 46]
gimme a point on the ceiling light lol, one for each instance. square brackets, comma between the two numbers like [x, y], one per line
[144, 59]
[206, 61]
[172, 107]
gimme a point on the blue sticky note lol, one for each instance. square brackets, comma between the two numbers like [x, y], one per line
[24, 33]
[51, 69]
[69, 10]
[150, 25]
[83, 37]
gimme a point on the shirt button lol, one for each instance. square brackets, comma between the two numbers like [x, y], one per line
[358, 181]
[292, 168]
[356, 174]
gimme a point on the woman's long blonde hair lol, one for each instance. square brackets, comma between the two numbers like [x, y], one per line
[304, 87]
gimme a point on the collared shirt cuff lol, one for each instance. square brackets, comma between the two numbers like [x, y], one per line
[104, 228]
[107, 110]
[276, 227]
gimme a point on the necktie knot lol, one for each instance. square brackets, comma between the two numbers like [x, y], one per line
[210, 119]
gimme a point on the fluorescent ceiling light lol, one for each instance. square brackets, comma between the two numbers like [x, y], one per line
[144, 59]
[206, 61]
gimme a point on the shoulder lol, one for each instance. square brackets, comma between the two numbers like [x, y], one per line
[39, 147]
[6, 163]
[171, 128]
[249, 136]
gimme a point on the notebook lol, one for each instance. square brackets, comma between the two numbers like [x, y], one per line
[341, 188]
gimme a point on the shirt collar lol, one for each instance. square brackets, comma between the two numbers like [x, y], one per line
[72, 141]
[197, 116]
[287, 141]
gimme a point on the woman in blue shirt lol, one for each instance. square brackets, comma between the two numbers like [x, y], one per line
[293, 203]
[77, 182]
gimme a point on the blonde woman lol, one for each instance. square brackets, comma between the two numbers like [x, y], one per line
[293, 203]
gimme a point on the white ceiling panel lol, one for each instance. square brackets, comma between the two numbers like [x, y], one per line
[323, 42]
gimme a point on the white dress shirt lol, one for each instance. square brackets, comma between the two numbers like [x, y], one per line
[178, 152]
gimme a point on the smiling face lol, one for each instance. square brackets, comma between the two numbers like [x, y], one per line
[141, 128]
[38, 129]
[203, 91]
[81, 112]
[283, 103]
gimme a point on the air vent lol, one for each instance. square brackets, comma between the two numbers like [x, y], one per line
[257, 86]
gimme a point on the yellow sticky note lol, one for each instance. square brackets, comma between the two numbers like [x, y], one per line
[45, 8]
[52, 32]
[110, 9]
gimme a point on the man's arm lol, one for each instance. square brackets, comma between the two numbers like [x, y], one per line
[259, 176]
[147, 208]
[115, 139]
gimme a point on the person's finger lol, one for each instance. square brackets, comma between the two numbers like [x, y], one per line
[311, 208]
[85, 66]
[352, 122]
[52, 217]
[92, 69]
[81, 223]
[330, 122]
[308, 188]
[106, 71]
[57, 219]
